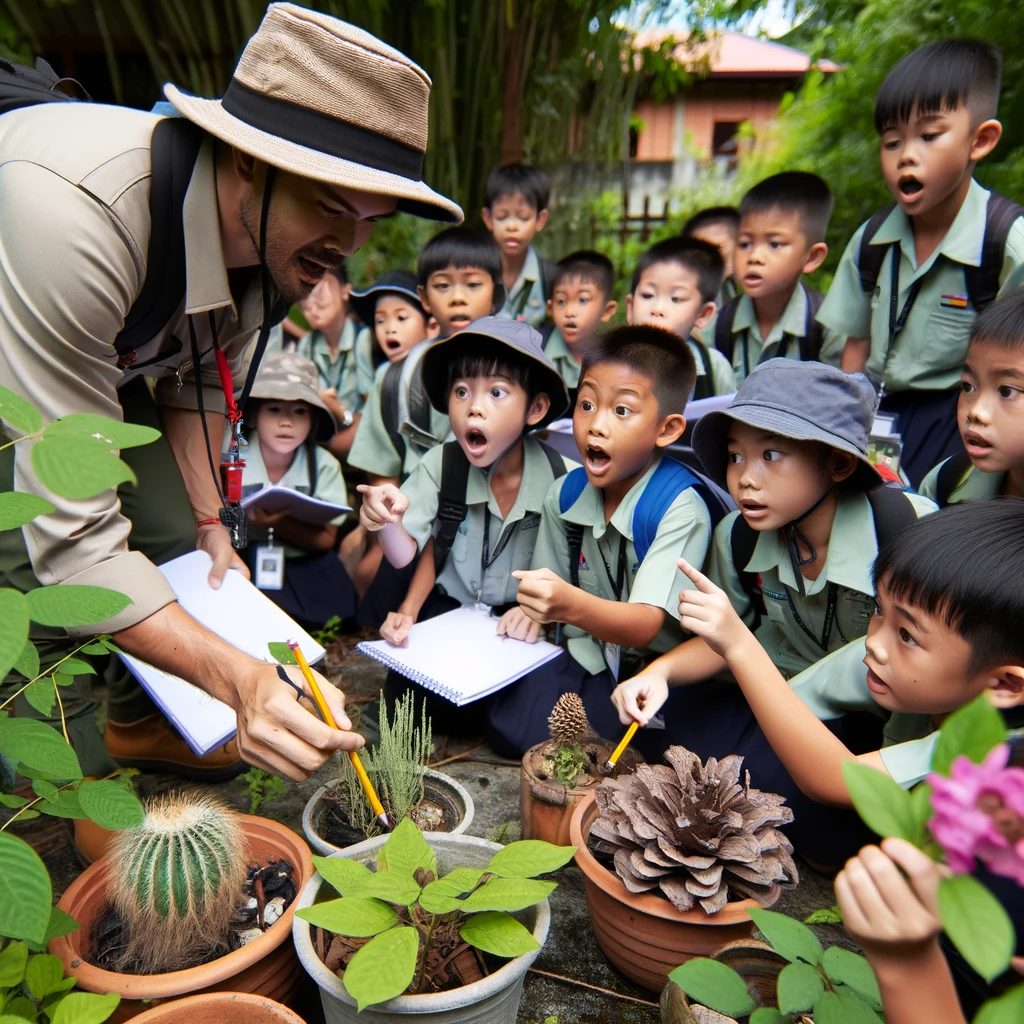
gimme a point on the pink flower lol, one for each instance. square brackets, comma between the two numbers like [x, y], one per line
[979, 815]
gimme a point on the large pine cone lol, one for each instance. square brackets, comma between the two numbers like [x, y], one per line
[695, 832]
[568, 723]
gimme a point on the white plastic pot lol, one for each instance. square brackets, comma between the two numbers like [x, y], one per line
[492, 1000]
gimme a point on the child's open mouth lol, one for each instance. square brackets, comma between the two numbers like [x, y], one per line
[476, 442]
[753, 509]
[597, 460]
[459, 320]
[392, 345]
[909, 187]
[976, 444]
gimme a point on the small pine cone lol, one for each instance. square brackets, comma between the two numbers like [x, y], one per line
[568, 721]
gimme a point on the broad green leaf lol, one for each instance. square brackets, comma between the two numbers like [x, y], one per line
[12, 964]
[790, 938]
[976, 924]
[507, 894]
[799, 985]
[39, 746]
[18, 413]
[101, 431]
[1007, 1009]
[529, 858]
[44, 788]
[19, 1011]
[391, 887]
[972, 730]
[13, 628]
[64, 804]
[28, 662]
[846, 968]
[76, 666]
[921, 811]
[110, 645]
[383, 968]
[406, 851]
[42, 695]
[499, 934]
[84, 1008]
[715, 985]
[10, 800]
[445, 895]
[766, 1015]
[883, 804]
[843, 1008]
[825, 915]
[342, 873]
[62, 678]
[351, 915]
[34, 773]
[61, 923]
[95, 648]
[76, 468]
[110, 804]
[18, 508]
[72, 604]
[281, 653]
[25, 892]
[44, 975]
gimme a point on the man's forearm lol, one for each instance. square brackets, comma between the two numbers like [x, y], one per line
[615, 622]
[184, 432]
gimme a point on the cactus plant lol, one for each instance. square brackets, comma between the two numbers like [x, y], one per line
[176, 881]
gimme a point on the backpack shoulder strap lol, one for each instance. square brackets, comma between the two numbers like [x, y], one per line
[555, 460]
[548, 271]
[704, 387]
[575, 481]
[419, 404]
[742, 542]
[546, 329]
[983, 281]
[724, 340]
[311, 466]
[451, 503]
[814, 334]
[22, 86]
[389, 406]
[669, 480]
[572, 488]
[892, 510]
[870, 257]
[951, 472]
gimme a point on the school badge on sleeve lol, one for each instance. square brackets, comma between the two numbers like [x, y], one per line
[953, 301]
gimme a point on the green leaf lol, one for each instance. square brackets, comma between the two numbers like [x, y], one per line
[921, 811]
[972, 730]
[507, 894]
[38, 746]
[28, 662]
[10, 800]
[445, 895]
[62, 678]
[406, 851]
[976, 924]
[61, 923]
[84, 1008]
[1007, 1009]
[883, 804]
[13, 628]
[76, 468]
[72, 604]
[12, 964]
[281, 653]
[44, 788]
[825, 915]
[110, 804]
[351, 915]
[715, 985]
[42, 695]
[789, 938]
[44, 975]
[529, 858]
[64, 804]
[343, 874]
[18, 413]
[799, 985]
[766, 1015]
[76, 666]
[95, 648]
[25, 892]
[843, 1008]
[21, 1011]
[383, 968]
[101, 431]
[498, 934]
[110, 645]
[846, 968]
[391, 887]
[18, 508]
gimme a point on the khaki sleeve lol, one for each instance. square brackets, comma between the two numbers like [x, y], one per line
[422, 487]
[372, 449]
[847, 307]
[68, 274]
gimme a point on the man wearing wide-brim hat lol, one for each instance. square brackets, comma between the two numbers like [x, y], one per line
[321, 131]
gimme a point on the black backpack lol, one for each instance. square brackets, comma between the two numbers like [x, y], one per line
[810, 343]
[704, 387]
[951, 472]
[419, 404]
[982, 281]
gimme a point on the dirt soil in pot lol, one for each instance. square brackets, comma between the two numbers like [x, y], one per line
[434, 813]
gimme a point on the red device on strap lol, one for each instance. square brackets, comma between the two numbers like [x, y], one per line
[233, 464]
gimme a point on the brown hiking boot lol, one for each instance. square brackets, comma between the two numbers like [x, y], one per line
[152, 744]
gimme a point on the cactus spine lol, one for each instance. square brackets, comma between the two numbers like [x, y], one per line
[176, 882]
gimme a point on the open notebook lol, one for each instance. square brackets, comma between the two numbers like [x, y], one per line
[460, 656]
[300, 506]
[237, 612]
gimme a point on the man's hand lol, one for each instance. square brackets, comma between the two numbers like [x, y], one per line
[395, 628]
[382, 505]
[639, 699]
[267, 520]
[515, 623]
[329, 396]
[543, 595]
[215, 540]
[706, 612]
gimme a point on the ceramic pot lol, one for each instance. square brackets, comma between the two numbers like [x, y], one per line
[492, 1000]
[440, 788]
[266, 966]
[645, 936]
[222, 1008]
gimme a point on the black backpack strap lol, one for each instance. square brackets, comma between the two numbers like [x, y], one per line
[951, 472]
[548, 272]
[574, 535]
[555, 460]
[742, 541]
[311, 466]
[870, 257]
[814, 333]
[419, 404]
[983, 281]
[892, 510]
[724, 340]
[704, 387]
[451, 501]
[22, 86]
[546, 329]
[389, 407]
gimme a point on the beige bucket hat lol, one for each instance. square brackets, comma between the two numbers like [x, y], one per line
[289, 377]
[323, 99]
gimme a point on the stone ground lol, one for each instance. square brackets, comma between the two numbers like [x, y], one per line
[571, 979]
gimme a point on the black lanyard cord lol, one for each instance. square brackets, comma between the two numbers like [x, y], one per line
[897, 323]
[618, 582]
[830, 615]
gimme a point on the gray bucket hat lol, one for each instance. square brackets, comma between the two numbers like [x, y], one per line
[289, 377]
[395, 282]
[517, 335]
[805, 401]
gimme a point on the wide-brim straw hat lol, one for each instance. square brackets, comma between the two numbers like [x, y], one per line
[325, 100]
[289, 377]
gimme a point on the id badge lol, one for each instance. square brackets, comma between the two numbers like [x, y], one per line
[269, 568]
[612, 658]
[886, 451]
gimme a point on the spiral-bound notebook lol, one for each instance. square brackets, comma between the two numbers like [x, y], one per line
[460, 656]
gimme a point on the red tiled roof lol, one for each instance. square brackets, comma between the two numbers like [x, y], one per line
[732, 54]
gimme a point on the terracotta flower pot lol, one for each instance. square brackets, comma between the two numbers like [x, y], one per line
[220, 1008]
[644, 936]
[267, 965]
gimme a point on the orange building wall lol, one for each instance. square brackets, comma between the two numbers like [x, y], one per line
[655, 140]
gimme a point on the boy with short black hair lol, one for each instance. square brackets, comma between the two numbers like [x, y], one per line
[781, 237]
[515, 212]
[990, 411]
[581, 300]
[910, 283]
[719, 225]
[674, 287]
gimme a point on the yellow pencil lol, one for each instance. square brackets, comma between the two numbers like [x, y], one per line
[618, 751]
[325, 712]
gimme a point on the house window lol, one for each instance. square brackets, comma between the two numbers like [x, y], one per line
[634, 140]
[723, 135]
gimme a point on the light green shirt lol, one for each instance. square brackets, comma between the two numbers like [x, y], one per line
[365, 369]
[684, 531]
[929, 352]
[558, 351]
[340, 371]
[526, 297]
[974, 485]
[852, 548]
[372, 450]
[510, 540]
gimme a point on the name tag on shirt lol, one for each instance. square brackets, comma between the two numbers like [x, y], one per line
[269, 568]
[612, 658]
